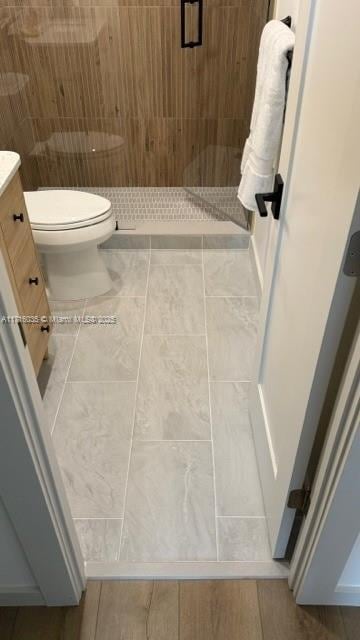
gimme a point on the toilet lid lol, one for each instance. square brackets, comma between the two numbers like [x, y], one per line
[65, 209]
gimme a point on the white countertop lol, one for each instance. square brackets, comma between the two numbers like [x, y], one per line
[9, 164]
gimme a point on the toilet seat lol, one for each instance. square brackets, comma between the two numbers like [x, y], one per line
[65, 209]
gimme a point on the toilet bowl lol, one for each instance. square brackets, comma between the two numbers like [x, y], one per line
[67, 227]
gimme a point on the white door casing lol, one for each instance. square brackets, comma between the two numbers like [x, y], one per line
[332, 526]
[305, 296]
[31, 486]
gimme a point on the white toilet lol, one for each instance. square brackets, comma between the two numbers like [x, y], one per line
[67, 227]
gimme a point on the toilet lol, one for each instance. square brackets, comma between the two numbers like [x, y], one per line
[68, 226]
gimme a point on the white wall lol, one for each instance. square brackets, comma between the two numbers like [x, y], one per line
[260, 236]
[14, 568]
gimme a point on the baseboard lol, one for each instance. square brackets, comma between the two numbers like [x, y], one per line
[348, 588]
[21, 597]
[185, 570]
[254, 257]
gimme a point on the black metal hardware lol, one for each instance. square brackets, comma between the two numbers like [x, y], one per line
[300, 499]
[46, 328]
[288, 22]
[352, 260]
[191, 43]
[22, 333]
[34, 280]
[18, 216]
[274, 197]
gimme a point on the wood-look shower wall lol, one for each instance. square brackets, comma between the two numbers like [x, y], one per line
[99, 92]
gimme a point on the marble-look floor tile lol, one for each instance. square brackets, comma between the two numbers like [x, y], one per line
[173, 399]
[175, 303]
[170, 503]
[232, 326]
[228, 273]
[109, 352]
[176, 257]
[99, 539]
[53, 372]
[243, 539]
[92, 438]
[67, 316]
[175, 280]
[238, 491]
[128, 271]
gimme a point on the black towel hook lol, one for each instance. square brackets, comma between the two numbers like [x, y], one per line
[288, 22]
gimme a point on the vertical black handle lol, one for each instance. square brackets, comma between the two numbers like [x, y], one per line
[191, 43]
[274, 197]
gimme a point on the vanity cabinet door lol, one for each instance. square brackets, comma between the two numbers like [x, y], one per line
[38, 334]
[18, 248]
[14, 219]
[28, 277]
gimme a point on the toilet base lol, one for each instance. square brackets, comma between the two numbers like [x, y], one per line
[75, 275]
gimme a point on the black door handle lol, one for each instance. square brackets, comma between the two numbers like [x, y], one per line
[274, 197]
[34, 280]
[191, 43]
[18, 216]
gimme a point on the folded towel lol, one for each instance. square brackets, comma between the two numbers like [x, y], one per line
[262, 145]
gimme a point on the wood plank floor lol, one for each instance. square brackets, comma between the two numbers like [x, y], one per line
[188, 610]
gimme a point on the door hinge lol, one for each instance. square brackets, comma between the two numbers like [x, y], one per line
[299, 499]
[352, 260]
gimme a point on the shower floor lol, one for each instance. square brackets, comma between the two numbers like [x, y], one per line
[149, 417]
[134, 205]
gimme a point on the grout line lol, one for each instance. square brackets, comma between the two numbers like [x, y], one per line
[100, 381]
[231, 381]
[243, 517]
[236, 297]
[76, 336]
[210, 414]
[170, 440]
[135, 404]
[121, 295]
[100, 518]
[175, 335]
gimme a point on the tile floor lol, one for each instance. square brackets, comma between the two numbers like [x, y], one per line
[149, 416]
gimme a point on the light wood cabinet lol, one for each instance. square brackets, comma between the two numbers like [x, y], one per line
[22, 262]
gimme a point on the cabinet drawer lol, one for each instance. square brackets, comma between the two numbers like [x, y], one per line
[28, 278]
[37, 336]
[14, 219]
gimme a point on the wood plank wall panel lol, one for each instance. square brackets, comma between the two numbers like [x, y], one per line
[110, 75]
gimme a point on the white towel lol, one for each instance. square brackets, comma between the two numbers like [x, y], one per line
[262, 145]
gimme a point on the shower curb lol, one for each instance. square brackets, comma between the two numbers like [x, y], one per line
[185, 236]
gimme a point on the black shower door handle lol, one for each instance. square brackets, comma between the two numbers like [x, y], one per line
[191, 43]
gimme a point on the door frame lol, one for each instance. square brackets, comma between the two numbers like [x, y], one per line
[333, 520]
[34, 497]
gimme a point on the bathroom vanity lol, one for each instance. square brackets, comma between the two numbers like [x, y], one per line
[21, 259]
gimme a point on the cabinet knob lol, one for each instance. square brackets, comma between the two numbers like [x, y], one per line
[34, 281]
[46, 328]
[18, 216]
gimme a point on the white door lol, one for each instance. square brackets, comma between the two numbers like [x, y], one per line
[326, 564]
[305, 293]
